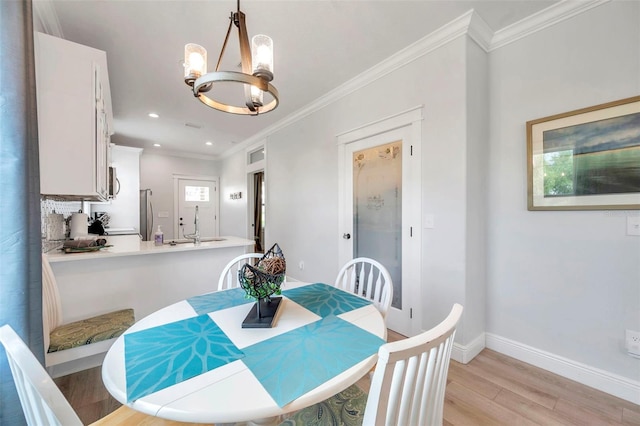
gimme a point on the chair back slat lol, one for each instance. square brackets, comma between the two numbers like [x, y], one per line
[408, 385]
[364, 281]
[41, 400]
[369, 279]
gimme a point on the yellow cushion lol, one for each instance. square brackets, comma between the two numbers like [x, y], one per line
[91, 330]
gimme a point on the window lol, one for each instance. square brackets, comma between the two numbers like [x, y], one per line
[257, 155]
[196, 193]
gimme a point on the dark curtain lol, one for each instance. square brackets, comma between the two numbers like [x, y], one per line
[258, 178]
[20, 245]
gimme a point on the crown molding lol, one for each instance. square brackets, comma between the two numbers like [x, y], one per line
[552, 15]
[427, 44]
[470, 24]
[480, 32]
[46, 16]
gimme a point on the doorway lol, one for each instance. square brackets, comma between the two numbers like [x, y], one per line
[256, 195]
[192, 191]
[380, 208]
[258, 219]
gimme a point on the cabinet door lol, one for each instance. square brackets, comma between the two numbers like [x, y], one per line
[71, 83]
[102, 138]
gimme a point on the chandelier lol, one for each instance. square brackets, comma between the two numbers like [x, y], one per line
[254, 78]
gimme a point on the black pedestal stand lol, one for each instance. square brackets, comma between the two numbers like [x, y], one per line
[263, 314]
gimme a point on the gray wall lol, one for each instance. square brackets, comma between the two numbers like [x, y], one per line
[564, 283]
[156, 173]
[233, 213]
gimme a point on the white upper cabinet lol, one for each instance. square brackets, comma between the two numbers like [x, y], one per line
[74, 119]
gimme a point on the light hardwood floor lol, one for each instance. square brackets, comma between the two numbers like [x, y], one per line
[493, 389]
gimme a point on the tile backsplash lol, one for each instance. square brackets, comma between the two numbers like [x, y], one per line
[66, 208]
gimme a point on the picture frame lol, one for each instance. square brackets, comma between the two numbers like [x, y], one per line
[587, 159]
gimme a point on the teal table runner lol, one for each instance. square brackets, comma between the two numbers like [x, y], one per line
[325, 300]
[293, 363]
[162, 356]
[288, 365]
[219, 300]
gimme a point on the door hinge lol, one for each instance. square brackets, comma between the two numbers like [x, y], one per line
[410, 313]
[411, 150]
[411, 231]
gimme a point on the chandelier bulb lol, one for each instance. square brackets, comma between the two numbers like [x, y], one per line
[257, 72]
[262, 56]
[195, 62]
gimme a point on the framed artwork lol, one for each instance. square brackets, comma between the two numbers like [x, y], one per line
[588, 159]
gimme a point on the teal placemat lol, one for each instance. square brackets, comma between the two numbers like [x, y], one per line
[293, 363]
[162, 356]
[325, 300]
[219, 300]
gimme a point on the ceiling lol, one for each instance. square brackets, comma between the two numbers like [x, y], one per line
[319, 45]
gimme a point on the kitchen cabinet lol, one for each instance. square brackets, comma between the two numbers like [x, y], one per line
[74, 119]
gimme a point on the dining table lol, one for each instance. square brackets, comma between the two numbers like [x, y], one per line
[193, 361]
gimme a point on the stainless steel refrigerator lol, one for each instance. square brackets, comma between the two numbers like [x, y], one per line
[146, 215]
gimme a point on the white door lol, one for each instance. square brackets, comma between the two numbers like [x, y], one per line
[380, 213]
[192, 192]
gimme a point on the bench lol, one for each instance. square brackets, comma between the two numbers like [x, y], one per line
[83, 339]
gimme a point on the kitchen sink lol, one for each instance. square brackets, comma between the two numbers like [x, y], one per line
[189, 240]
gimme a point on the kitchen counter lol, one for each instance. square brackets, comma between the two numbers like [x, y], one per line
[136, 274]
[130, 245]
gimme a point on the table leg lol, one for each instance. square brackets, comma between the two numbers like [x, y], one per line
[267, 421]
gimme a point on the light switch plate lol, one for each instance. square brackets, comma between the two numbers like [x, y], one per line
[429, 221]
[633, 342]
[633, 225]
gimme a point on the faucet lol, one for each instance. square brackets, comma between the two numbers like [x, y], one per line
[196, 235]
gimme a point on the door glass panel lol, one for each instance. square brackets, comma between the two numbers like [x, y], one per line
[377, 209]
[196, 193]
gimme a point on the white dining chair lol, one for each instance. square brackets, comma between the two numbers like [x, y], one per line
[229, 275]
[42, 401]
[407, 388]
[65, 342]
[367, 278]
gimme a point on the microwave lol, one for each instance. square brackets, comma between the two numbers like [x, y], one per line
[113, 184]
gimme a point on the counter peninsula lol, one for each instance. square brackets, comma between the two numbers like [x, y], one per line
[138, 274]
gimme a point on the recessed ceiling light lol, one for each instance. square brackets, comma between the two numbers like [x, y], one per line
[156, 145]
[153, 115]
[209, 143]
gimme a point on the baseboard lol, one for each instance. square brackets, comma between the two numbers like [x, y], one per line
[83, 351]
[464, 354]
[76, 359]
[76, 365]
[604, 381]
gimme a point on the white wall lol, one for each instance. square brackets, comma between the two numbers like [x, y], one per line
[124, 210]
[233, 213]
[302, 170]
[477, 156]
[156, 173]
[563, 282]
[566, 283]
